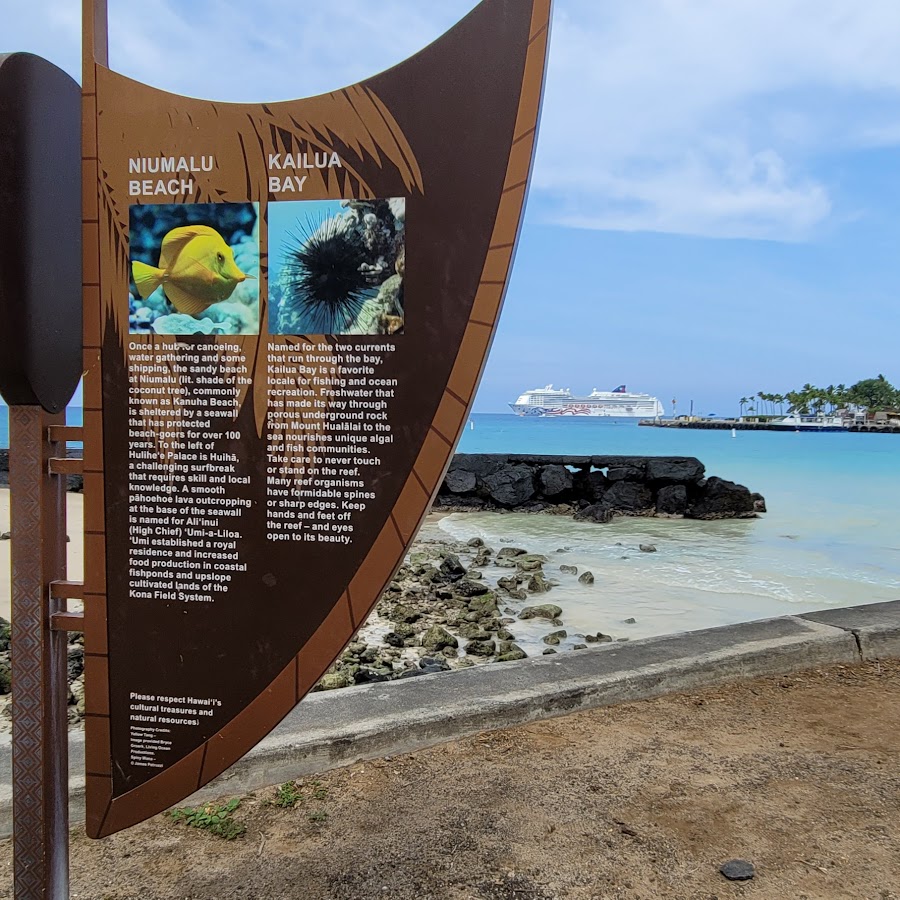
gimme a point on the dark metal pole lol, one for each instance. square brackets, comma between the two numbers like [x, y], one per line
[39, 683]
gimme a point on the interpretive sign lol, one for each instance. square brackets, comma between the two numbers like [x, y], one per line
[287, 310]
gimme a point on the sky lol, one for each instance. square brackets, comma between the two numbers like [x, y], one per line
[722, 221]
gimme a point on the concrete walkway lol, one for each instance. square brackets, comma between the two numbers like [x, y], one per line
[337, 728]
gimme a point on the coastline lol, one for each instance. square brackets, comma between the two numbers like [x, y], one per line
[705, 573]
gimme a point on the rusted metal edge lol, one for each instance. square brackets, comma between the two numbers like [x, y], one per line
[40, 691]
[63, 466]
[67, 621]
[57, 433]
[67, 590]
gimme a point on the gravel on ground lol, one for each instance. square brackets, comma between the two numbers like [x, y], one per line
[797, 775]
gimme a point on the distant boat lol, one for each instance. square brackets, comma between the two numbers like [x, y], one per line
[795, 422]
[619, 403]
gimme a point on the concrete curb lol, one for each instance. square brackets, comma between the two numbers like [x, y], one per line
[876, 627]
[338, 728]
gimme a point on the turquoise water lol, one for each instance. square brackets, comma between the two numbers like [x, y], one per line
[831, 537]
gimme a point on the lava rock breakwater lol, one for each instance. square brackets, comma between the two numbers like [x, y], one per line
[594, 488]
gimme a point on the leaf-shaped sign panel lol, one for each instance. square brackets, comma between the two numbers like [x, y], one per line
[287, 311]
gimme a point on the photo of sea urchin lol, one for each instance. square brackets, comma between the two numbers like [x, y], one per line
[338, 267]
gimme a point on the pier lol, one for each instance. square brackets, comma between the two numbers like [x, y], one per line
[700, 423]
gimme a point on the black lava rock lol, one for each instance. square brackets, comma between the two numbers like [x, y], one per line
[597, 484]
[482, 464]
[720, 499]
[596, 512]
[466, 588]
[512, 486]
[625, 473]
[672, 500]
[737, 870]
[629, 497]
[674, 470]
[555, 480]
[451, 568]
[460, 481]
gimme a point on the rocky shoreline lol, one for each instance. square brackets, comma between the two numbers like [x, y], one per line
[589, 488]
[453, 605]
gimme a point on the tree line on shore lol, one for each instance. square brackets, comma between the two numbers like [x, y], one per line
[869, 394]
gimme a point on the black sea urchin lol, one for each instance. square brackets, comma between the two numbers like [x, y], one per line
[321, 277]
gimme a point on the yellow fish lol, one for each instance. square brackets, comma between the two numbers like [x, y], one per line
[196, 269]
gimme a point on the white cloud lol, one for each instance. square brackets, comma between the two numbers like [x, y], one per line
[722, 190]
[269, 50]
[704, 117]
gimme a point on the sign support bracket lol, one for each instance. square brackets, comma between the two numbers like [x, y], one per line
[40, 691]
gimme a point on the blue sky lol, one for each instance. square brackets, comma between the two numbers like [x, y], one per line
[714, 206]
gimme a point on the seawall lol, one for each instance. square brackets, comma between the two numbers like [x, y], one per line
[889, 427]
[594, 488]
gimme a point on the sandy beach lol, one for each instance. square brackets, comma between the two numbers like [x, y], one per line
[75, 547]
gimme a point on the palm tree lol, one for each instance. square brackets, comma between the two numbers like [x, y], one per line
[840, 395]
[779, 399]
[798, 402]
[744, 402]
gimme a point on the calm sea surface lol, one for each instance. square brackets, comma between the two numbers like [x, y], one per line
[831, 537]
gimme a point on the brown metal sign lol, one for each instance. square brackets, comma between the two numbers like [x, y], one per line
[40, 249]
[287, 310]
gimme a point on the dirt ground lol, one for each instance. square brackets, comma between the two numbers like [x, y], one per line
[797, 774]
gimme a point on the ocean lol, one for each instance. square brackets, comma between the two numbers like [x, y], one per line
[831, 537]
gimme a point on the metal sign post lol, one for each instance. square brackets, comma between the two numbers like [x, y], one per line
[40, 691]
[40, 363]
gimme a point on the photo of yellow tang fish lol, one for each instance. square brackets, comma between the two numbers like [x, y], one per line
[196, 269]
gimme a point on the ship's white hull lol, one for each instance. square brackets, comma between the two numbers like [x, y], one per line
[589, 410]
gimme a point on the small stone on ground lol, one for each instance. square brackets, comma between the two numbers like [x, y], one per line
[737, 870]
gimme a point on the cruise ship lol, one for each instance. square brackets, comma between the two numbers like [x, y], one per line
[618, 404]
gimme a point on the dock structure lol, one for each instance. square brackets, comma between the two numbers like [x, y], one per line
[706, 424]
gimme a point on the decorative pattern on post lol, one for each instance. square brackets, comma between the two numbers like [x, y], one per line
[39, 688]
